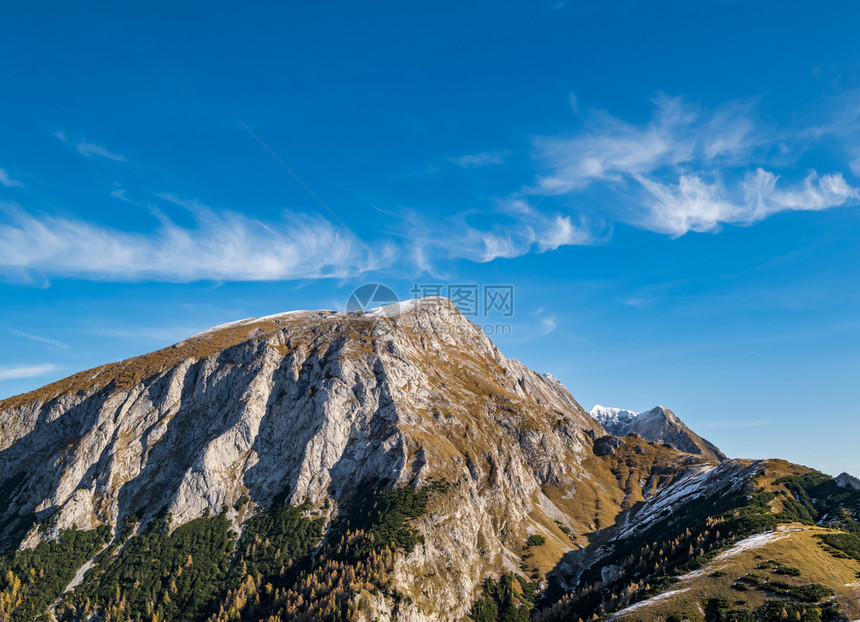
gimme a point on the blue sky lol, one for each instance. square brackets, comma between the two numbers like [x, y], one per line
[672, 189]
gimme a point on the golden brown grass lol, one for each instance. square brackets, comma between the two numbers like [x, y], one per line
[799, 549]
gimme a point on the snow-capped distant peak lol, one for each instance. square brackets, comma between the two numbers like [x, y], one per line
[658, 424]
[617, 421]
[599, 412]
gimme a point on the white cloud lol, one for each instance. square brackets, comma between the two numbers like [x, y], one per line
[530, 231]
[477, 160]
[546, 320]
[816, 193]
[36, 338]
[26, 371]
[89, 150]
[612, 149]
[684, 170]
[574, 104]
[517, 230]
[691, 205]
[7, 181]
[222, 246]
[148, 334]
[697, 205]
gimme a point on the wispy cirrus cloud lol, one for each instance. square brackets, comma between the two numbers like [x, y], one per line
[546, 320]
[696, 204]
[38, 339]
[687, 169]
[678, 134]
[513, 230]
[91, 150]
[531, 232]
[479, 160]
[6, 180]
[146, 334]
[26, 371]
[222, 246]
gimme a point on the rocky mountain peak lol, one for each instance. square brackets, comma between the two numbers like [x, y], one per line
[848, 481]
[658, 424]
[310, 402]
[617, 421]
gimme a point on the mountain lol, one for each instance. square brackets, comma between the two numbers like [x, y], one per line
[616, 421]
[848, 481]
[387, 465]
[659, 425]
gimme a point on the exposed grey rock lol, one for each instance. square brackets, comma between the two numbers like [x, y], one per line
[606, 445]
[848, 481]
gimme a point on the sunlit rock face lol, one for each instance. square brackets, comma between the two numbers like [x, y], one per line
[317, 402]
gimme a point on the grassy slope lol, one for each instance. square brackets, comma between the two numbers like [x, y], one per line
[794, 545]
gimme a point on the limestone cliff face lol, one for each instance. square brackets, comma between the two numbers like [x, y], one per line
[317, 402]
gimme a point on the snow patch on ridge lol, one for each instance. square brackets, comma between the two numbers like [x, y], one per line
[249, 320]
[398, 308]
[756, 541]
[646, 603]
[389, 310]
[753, 542]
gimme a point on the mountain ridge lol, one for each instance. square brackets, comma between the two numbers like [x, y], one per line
[401, 444]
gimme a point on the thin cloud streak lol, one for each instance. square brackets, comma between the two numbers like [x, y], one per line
[547, 322]
[36, 338]
[91, 150]
[7, 181]
[155, 334]
[26, 371]
[479, 160]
